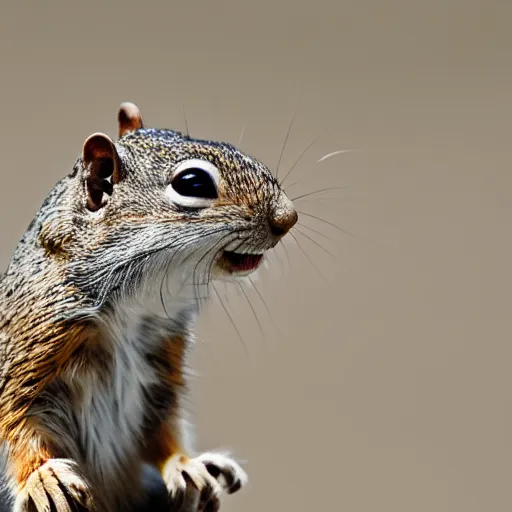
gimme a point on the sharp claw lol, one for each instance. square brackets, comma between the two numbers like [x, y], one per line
[212, 506]
[192, 481]
[227, 471]
[209, 474]
[206, 494]
[177, 499]
[236, 486]
[39, 496]
[214, 470]
[53, 487]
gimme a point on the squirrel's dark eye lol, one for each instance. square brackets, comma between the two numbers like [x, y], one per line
[195, 182]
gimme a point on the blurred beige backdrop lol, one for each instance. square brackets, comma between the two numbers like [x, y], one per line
[385, 384]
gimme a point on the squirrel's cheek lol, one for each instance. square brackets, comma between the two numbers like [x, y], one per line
[56, 237]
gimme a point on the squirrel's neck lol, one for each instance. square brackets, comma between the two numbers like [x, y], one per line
[146, 320]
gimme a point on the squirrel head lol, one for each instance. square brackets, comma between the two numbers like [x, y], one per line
[158, 199]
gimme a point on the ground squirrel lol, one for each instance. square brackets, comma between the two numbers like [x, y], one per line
[97, 311]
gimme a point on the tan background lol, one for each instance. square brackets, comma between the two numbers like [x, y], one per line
[385, 386]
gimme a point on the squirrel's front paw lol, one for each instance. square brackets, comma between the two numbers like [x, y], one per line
[225, 470]
[54, 486]
[210, 474]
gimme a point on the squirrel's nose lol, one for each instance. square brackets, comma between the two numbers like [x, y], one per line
[283, 218]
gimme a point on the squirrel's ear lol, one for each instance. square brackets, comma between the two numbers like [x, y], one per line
[101, 160]
[129, 118]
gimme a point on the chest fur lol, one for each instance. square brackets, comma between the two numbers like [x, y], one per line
[139, 386]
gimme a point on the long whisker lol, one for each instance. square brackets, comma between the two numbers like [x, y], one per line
[267, 309]
[286, 138]
[306, 256]
[286, 252]
[196, 283]
[161, 290]
[241, 136]
[317, 232]
[231, 319]
[296, 198]
[185, 244]
[330, 224]
[253, 311]
[320, 246]
[213, 250]
[334, 153]
[338, 199]
[277, 256]
[325, 157]
[345, 231]
[185, 118]
[300, 157]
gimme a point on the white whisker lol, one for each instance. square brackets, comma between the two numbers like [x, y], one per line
[334, 153]
[241, 136]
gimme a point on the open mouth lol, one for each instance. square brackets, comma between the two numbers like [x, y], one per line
[235, 262]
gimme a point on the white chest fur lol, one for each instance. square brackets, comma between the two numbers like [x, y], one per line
[112, 408]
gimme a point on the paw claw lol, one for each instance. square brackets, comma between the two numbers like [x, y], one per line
[212, 506]
[225, 470]
[210, 474]
[53, 486]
